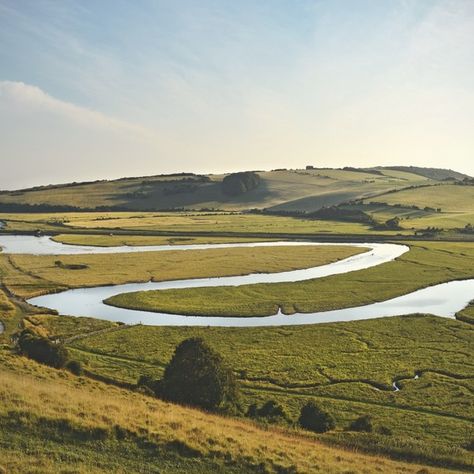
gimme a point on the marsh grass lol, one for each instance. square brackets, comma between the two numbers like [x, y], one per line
[29, 275]
[426, 264]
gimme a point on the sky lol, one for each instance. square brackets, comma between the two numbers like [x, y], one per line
[105, 89]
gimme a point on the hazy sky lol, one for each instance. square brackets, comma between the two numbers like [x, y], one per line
[93, 89]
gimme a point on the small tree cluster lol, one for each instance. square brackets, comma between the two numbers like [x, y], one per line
[312, 418]
[270, 410]
[363, 423]
[42, 349]
[240, 183]
[197, 376]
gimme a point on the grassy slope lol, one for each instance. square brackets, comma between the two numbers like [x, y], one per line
[53, 422]
[347, 367]
[318, 187]
[28, 275]
[425, 264]
[456, 204]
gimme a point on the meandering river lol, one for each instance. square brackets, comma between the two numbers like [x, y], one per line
[442, 300]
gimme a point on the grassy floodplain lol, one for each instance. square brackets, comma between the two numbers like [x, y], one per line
[426, 263]
[104, 240]
[51, 421]
[28, 275]
[347, 368]
[181, 224]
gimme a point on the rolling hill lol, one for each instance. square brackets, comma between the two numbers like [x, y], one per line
[278, 190]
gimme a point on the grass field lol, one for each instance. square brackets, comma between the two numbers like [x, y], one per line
[28, 275]
[425, 264]
[143, 223]
[104, 240]
[455, 205]
[348, 368]
[53, 422]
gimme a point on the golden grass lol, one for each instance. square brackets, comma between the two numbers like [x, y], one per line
[39, 395]
[104, 240]
[29, 275]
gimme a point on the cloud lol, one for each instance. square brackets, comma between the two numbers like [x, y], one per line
[27, 97]
[47, 140]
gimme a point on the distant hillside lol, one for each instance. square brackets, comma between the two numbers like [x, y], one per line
[438, 174]
[278, 190]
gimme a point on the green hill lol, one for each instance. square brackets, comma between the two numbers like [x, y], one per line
[280, 190]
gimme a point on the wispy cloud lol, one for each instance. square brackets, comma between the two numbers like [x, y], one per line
[25, 96]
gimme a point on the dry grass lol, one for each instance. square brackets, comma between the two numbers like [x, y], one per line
[29, 275]
[38, 398]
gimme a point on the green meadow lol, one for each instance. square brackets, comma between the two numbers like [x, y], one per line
[427, 263]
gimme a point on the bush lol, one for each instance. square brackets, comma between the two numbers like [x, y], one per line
[363, 423]
[75, 367]
[312, 418]
[270, 410]
[148, 385]
[196, 375]
[42, 349]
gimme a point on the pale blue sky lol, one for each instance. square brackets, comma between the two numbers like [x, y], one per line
[109, 88]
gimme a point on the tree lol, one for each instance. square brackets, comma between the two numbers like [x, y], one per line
[196, 375]
[239, 183]
[270, 410]
[312, 418]
[42, 349]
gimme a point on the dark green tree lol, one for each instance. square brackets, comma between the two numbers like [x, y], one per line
[42, 349]
[197, 375]
[312, 418]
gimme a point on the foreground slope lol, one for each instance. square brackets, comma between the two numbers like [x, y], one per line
[51, 421]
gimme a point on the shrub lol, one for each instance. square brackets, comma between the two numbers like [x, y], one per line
[75, 367]
[42, 349]
[148, 385]
[363, 423]
[312, 418]
[196, 375]
[270, 410]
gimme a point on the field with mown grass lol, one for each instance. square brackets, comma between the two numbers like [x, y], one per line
[51, 421]
[427, 263]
